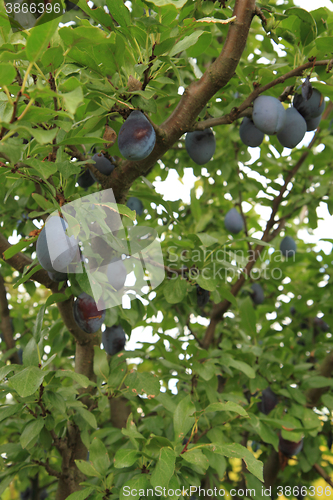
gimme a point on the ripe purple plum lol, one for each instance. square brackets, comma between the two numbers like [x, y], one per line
[200, 145]
[288, 247]
[102, 164]
[293, 130]
[313, 123]
[250, 135]
[85, 179]
[268, 114]
[113, 339]
[55, 250]
[257, 294]
[268, 401]
[233, 221]
[116, 273]
[202, 296]
[86, 314]
[290, 448]
[312, 107]
[58, 277]
[137, 137]
[135, 204]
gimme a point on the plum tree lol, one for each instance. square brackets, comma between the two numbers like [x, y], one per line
[103, 165]
[289, 448]
[257, 294]
[55, 250]
[202, 296]
[137, 137]
[313, 123]
[116, 273]
[288, 246]
[268, 401]
[135, 204]
[86, 314]
[56, 276]
[293, 130]
[249, 134]
[113, 339]
[268, 114]
[85, 179]
[200, 145]
[233, 221]
[311, 108]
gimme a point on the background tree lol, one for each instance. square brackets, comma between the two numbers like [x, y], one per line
[65, 92]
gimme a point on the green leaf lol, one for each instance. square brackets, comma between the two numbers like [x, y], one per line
[206, 239]
[179, 4]
[248, 316]
[82, 494]
[243, 367]
[134, 485]
[30, 353]
[7, 74]
[9, 410]
[182, 418]
[87, 468]
[185, 43]
[175, 290]
[99, 456]
[88, 417]
[72, 100]
[55, 400]
[125, 458]
[143, 383]
[31, 432]
[77, 377]
[42, 202]
[55, 298]
[164, 469]
[14, 249]
[101, 365]
[120, 12]
[26, 382]
[229, 406]
[39, 38]
[197, 458]
[239, 451]
[39, 324]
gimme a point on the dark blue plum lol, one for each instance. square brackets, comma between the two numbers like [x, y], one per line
[202, 296]
[257, 293]
[268, 401]
[250, 135]
[55, 250]
[268, 114]
[233, 221]
[85, 179]
[135, 204]
[313, 123]
[136, 138]
[58, 277]
[113, 339]
[288, 246]
[86, 314]
[312, 107]
[20, 355]
[289, 448]
[293, 130]
[200, 145]
[102, 164]
[26, 494]
[320, 324]
[116, 273]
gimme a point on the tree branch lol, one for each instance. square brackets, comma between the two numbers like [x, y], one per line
[6, 324]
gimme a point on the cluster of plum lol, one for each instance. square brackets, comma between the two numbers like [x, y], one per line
[234, 223]
[290, 125]
[268, 402]
[56, 250]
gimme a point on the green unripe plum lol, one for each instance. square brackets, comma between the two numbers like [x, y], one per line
[268, 114]
[249, 134]
[294, 129]
[233, 221]
[200, 145]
